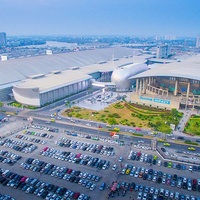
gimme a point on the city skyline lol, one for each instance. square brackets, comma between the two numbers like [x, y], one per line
[121, 17]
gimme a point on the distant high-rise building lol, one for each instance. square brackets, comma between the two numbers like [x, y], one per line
[162, 51]
[170, 37]
[198, 42]
[3, 41]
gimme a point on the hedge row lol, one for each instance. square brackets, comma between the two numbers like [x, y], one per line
[140, 112]
[192, 143]
[138, 134]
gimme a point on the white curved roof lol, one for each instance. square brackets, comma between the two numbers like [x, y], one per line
[19, 69]
[67, 77]
[189, 68]
[52, 81]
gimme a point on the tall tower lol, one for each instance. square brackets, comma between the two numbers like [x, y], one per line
[198, 42]
[162, 51]
[3, 41]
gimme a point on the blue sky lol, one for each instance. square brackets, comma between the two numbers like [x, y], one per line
[100, 17]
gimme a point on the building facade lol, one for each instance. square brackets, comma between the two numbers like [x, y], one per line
[198, 42]
[162, 51]
[3, 40]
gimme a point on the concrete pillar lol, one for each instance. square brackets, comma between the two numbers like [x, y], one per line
[143, 85]
[188, 89]
[176, 87]
[137, 82]
[193, 103]
[140, 92]
[149, 80]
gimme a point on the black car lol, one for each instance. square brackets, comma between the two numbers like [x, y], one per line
[163, 149]
[165, 164]
[159, 180]
[184, 185]
[145, 177]
[180, 138]
[154, 162]
[198, 187]
[178, 166]
[5, 182]
[194, 187]
[175, 177]
[150, 196]
[150, 171]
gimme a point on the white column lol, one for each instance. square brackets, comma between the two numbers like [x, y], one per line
[140, 87]
[175, 89]
[137, 81]
[143, 85]
[188, 89]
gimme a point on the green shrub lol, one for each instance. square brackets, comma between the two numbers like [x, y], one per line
[119, 105]
[138, 134]
[192, 143]
[78, 115]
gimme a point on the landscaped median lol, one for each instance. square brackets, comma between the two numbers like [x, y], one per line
[128, 114]
[192, 127]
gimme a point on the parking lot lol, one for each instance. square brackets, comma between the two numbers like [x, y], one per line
[70, 165]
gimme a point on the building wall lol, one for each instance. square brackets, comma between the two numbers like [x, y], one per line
[53, 95]
[3, 41]
[162, 51]
[198, 42]
[27, 96]
[4, 93]
[154, 101]
[95, 75]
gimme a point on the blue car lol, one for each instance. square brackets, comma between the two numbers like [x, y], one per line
[183, 167]
[102, 186]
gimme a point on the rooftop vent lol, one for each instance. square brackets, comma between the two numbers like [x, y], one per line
[56, 72]
[36, 76]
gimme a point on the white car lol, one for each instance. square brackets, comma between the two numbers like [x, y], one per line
[88, 124]
[139, 197]
[93, 186]
[171, 195]
[190, 168]
[114, 167]
[120, 159]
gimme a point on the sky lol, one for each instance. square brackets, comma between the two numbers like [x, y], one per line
[100, 17]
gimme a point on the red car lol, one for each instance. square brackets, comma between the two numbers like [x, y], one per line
[69, 171]
[76, 195]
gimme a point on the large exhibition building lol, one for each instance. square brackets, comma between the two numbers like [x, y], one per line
[172, 85]
[41, 80]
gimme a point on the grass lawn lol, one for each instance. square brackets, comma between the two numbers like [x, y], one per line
[129, 114]
[19, 105]
[193, 125]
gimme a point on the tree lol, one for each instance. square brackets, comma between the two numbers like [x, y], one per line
[174, 113]
[1, 105]
[112, 121]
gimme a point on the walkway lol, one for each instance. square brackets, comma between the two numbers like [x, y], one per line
[186, 116]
